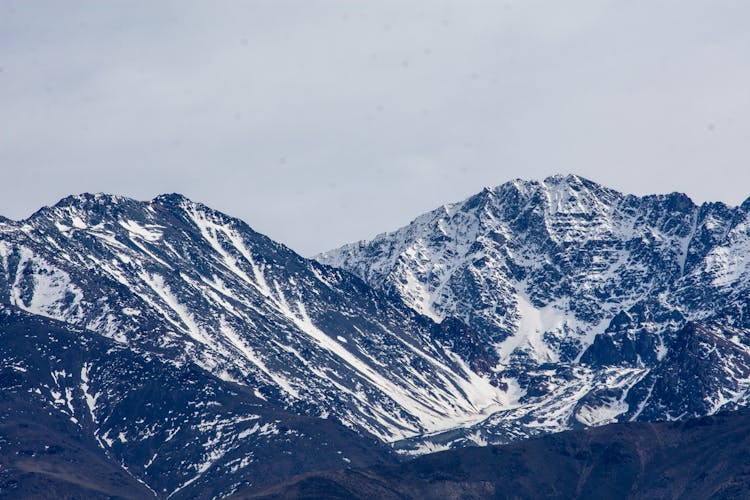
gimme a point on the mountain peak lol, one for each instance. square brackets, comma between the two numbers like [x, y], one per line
[572, 182]
[100, 203]
[89, 199]
[96, 206]
[564, 178]
[172, 199]
[575, 183]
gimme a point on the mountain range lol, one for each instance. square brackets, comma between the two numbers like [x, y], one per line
[181, 354]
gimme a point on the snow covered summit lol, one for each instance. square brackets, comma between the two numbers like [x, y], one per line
[578, 294]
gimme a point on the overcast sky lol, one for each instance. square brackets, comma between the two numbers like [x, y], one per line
[322, 122]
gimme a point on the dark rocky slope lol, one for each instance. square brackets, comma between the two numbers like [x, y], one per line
[695, 459]
[123, 423]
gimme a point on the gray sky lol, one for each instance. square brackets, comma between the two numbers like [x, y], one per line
[322, 122]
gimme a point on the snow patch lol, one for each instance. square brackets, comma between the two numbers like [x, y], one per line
[149, 233]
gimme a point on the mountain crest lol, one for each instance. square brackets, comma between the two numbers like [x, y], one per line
[539, 270]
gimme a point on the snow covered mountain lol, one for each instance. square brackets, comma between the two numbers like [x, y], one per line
[183, 354]
[83, 416]
[598, 306]
[173, 282]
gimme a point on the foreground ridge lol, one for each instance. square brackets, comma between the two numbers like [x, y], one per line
[695, 459]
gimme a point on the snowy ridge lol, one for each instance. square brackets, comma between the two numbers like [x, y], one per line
[548, 273]
[172, 274]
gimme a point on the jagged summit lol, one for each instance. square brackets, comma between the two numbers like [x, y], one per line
[107, 203]
[89, 199]
[96, 205]
[544, 272]
[555, 197]
[171, 199]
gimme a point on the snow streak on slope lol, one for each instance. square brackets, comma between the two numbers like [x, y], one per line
[86, 401]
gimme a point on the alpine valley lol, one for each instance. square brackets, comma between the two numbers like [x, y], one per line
[164, 349]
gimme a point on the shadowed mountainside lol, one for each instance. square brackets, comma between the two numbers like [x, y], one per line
[702, 458]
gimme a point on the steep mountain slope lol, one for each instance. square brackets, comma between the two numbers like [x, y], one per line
[262, 337]
[586, 299]
[177, 278]
[82, 416]
[696, 459]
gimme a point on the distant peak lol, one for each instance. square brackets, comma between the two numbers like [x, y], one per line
[552, 180]
[83, 202]
[557, 178]
[171, 199]
[83, 199]
[681, 198]
[674, 200]
[570, 179]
